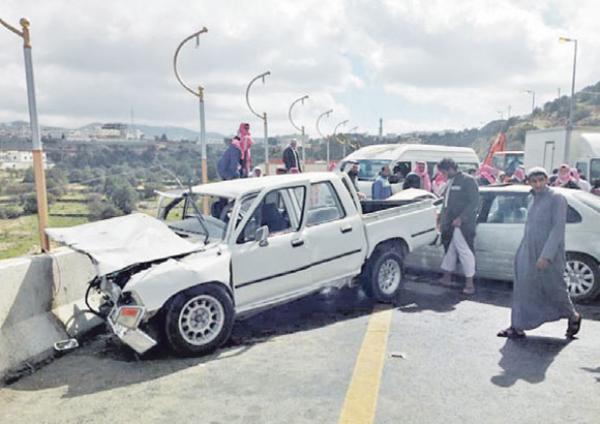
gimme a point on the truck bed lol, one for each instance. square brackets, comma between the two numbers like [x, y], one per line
[410, 220]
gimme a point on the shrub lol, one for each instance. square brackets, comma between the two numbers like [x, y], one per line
[10, 212]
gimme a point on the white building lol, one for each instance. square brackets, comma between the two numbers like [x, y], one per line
[16, 159]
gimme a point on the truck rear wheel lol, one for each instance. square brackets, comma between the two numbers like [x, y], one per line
[383, 275]
[199, 320]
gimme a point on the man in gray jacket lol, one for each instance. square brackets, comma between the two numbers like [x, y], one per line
[457, 222]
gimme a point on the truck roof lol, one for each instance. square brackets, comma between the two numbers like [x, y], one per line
[384, 151]
[240, 186]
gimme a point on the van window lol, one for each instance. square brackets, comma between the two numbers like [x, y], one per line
[401, 168]
[465, 166]
[368, 169]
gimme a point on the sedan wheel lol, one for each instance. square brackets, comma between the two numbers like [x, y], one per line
[582, 276]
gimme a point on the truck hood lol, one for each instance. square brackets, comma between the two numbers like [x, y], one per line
[117, 243]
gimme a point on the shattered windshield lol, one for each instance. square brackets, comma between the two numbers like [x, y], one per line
[191, 217]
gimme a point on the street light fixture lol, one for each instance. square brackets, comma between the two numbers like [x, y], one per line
[532, 92]
[200, 95]
[327, 113]
[336, 139]
[301, 129]
[37, 150]
[572, 99]
[263, 117]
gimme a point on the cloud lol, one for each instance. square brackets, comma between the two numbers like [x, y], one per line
[435, 64]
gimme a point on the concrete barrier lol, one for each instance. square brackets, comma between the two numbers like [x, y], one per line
[41, 299]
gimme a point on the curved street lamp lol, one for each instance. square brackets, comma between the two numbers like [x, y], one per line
[37, 150]
[200, 95]
[263, 117]
[301, 129]
[337, 139]
[327, 113]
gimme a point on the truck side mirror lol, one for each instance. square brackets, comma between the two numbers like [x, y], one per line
[261, 235]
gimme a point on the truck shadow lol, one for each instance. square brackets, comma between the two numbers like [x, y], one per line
[103, 363]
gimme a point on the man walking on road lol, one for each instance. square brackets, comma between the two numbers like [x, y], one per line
[539, 292]
[291, 159]
[457, 222]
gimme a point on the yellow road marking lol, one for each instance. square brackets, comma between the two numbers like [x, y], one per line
[361, 398]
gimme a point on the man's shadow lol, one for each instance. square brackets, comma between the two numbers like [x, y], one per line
[527, 359]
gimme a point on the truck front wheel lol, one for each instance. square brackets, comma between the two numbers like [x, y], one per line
[383, 276]
[199, 320]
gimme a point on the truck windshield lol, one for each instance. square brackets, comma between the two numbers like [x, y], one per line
[594, 170]
[180, 216]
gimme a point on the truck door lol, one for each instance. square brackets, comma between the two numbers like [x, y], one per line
[336, 235]
[262, 272]
[549, 149]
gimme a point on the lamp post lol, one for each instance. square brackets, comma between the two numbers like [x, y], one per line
[532, 92]
[327, 113]
[572, 99]
[335, 137]
[200, 95]
[263, 117]
[37, 150]
[301, 129]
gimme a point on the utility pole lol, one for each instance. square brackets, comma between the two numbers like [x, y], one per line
[37, 150]
[380, 128]
[263, 117]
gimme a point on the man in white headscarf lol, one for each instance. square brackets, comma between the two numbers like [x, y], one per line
[539, 292]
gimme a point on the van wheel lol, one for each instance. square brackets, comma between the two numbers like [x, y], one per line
[383, 275]
[199, 320]
[582, 276]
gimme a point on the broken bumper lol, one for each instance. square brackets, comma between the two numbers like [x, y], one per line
[132, 336]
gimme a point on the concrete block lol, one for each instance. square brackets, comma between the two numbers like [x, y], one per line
[71, 273]
[27, 327]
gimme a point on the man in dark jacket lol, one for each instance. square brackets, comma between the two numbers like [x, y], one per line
[291, 159]
[229, 164]
[457, 222]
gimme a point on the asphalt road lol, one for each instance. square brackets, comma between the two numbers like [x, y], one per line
[336, 357]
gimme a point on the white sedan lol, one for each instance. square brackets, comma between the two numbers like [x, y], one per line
[501, 222]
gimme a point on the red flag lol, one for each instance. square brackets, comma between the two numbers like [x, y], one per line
[498, 146]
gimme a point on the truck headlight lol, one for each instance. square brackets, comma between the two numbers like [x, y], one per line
[129, 316]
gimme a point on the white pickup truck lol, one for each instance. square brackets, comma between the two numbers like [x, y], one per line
[185, 277]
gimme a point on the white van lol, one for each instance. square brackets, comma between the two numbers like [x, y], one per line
[402, 158]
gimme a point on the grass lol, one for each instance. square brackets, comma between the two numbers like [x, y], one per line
[20, 236]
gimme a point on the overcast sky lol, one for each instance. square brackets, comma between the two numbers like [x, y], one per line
[420, 65]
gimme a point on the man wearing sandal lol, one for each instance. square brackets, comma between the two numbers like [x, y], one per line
[457, 222]
[540, 293]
